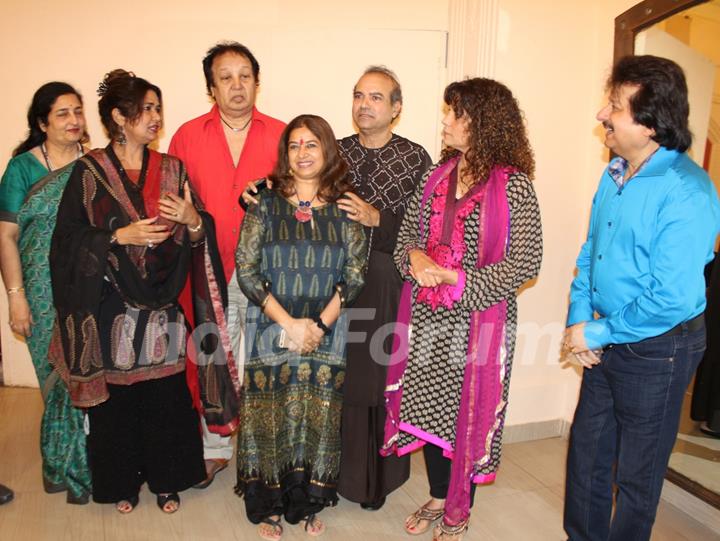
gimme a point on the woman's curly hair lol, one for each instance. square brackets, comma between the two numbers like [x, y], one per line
[498, 136]
[334, 180]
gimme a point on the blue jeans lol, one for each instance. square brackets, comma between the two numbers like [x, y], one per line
[627, 416]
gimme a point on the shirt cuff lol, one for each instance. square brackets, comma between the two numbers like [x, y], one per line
[597, 334]
[578, 313]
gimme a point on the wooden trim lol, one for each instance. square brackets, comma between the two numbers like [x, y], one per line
[641, 16]
[687, 484]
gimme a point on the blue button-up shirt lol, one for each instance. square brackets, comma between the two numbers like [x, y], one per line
[640, 272]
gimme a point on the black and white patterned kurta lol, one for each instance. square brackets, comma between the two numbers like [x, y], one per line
[439, 339]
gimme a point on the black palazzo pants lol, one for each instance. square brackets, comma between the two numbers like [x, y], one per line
[147, 431]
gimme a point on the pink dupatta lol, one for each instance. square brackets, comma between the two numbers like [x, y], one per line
[481, 404]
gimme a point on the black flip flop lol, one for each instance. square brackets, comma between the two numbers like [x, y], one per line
[275, 524]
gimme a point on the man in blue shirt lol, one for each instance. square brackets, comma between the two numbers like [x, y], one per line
[636, 305]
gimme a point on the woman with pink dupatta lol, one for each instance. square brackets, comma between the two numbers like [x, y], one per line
[470, 238]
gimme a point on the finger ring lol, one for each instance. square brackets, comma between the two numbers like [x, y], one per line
[149, 244]
[355, 212]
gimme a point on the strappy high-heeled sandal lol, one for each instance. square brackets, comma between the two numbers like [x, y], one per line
[445, 532]
[424, 513]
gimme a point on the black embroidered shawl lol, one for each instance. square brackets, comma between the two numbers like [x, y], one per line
[89, 274]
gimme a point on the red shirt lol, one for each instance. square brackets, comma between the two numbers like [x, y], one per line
[201, 145]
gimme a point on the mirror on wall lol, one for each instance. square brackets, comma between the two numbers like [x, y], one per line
[689, 34]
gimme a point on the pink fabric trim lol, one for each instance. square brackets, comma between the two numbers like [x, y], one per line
[458, 289]
[483, 479]
[424, 438]
[410, 448]
[428, 438]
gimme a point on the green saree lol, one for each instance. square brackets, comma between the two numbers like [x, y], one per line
[62, 438]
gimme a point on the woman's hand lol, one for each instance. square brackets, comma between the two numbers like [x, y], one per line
[251, 189]
[179, 209]
[446, 276]
[420, 264]
[304, 335]
[358, 210]
[142, 233]
[21, 321]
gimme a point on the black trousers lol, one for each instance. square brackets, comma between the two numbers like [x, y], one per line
[438, 472]
[147, 431]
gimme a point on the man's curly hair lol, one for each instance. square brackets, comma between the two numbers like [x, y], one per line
[498, 136]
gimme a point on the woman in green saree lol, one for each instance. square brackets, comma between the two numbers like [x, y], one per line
[30, 192]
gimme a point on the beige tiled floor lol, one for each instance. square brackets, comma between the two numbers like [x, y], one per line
[525, 503]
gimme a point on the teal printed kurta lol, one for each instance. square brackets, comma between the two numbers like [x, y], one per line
[290, 411]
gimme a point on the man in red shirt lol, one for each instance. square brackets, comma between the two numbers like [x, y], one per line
[223, 150]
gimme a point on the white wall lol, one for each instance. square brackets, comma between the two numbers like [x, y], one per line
[554, 55]
[310, 55]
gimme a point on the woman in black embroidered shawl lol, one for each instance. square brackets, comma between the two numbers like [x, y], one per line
[127, 235]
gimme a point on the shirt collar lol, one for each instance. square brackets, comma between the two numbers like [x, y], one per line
[655, 165]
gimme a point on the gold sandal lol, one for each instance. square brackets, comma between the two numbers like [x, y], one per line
[445, 532]
[424, 513]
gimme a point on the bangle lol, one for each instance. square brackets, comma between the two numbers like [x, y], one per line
[113, 239]
[197, 228]
[13, 290]
[319, 322]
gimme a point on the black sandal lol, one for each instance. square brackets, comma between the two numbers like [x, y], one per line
[164, 499]
[132, 501]
[276, 528]
[311, 521]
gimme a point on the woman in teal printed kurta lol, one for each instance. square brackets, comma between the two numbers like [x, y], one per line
[29, 195]
[299, 260]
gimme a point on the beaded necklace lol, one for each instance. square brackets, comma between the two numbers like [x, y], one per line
[45, 154]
